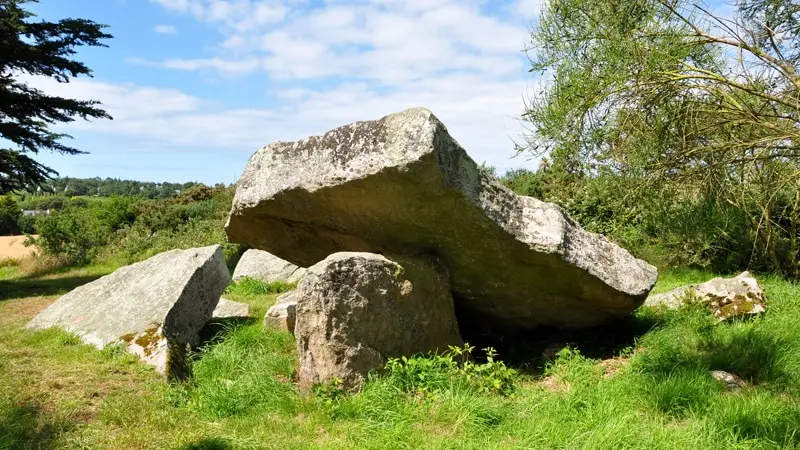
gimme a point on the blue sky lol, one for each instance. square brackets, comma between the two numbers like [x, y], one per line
[196, 86]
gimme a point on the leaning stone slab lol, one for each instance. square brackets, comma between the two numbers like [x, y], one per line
[227, 308]
[263, 266]
[726, 298]
[155, 308]
[282, 315]
[357, 309]
[402, 185]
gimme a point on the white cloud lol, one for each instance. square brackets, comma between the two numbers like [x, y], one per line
[331, 62]
[165, 29]
[157, 118]
[385, 41]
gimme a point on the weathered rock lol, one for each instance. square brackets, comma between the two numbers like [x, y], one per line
[227, 308]
[264, 266]
[156, 307]
[357, 309]
[401, 185]
[281, 315]
[726, 298]
[731, 381]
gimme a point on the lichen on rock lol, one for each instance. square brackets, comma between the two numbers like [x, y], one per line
[726, 298]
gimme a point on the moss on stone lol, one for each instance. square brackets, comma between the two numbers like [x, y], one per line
[149, 339]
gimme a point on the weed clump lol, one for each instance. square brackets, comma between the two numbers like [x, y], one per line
[425, 374]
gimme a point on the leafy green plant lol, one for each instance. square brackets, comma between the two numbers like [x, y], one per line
[441, 372]
[328, 392]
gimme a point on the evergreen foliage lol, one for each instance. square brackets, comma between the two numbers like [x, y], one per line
[30, 48]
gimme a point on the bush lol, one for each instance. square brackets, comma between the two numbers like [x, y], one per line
[435, 373]
[27, 224]
[75, 234]
[10, 214]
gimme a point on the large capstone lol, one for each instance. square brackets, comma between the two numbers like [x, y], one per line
[402, 185]
[263, 266]
[355, 310]
[155, 308]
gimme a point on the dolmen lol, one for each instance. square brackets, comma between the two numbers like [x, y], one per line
[399, 192]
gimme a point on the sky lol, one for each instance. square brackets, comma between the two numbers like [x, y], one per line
[196, 86]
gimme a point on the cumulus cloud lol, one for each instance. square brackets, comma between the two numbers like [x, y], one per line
[165, 29]
[327, 63]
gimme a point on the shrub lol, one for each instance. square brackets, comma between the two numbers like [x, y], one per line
[10, 213]
[27, 224]
[442, 372]
[75, 234]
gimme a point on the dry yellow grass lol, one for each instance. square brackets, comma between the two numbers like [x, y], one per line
[11, 247]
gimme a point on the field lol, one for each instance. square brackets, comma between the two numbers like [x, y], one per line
[650, 390]
[11, 247]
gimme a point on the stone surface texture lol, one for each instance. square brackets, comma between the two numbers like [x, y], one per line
[282, 314]
[155, 307]
[357, 309]
[266, 267]
[228, 308]
[400, 185]
[726, 298]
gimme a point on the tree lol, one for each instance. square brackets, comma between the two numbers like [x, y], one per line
[691, 106]
[38, 48]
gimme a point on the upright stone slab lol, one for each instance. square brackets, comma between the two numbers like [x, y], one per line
[354, 310]
[155, 308]
[261, 265]
[402, 185]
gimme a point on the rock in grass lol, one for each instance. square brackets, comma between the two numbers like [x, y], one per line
[266, 267]
[401, 185]
[731, 381]
[357, 309]
[227, 308]
[282, 315]
[726, 298]
[155, 308]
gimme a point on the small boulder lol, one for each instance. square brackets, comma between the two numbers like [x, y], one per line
[266, 267]
[155, 308]
[281, 316]
[731, 381]
[358, 309]
[227, 308]
[726, 298]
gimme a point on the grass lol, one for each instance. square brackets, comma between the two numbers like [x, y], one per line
[250, 287]
[655, 393]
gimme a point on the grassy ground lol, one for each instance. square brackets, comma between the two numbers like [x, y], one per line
[657, 393]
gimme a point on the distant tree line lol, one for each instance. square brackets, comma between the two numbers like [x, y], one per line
[108, 187]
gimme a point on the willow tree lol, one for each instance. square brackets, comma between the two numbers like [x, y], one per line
[31, 47]
[675, 99]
